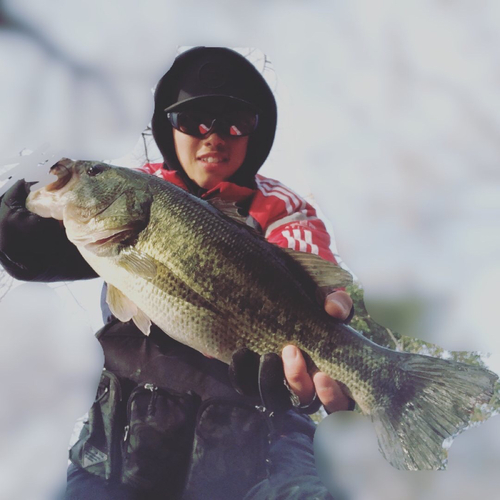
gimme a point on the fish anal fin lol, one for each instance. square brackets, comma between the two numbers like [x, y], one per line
[138, 263]
[324, 273]
[120, 305]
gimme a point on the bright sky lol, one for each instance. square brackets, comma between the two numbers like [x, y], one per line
[389, 116]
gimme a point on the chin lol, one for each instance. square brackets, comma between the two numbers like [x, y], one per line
[207, 183]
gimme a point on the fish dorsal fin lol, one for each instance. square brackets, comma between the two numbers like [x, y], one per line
[231, 210]
[228, 208]
[125, 310]
[323, 272]
[138, 263]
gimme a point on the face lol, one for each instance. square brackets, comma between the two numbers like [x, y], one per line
[212, 159]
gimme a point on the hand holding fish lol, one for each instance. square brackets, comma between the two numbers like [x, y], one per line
[338, 305]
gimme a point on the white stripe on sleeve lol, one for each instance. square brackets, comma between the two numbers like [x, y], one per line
[277, 187]
[298, 237]
[266, 191]
[291, 241]
[314, 248]
[296, 217]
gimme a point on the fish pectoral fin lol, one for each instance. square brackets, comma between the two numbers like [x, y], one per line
[142, 322]
[323, 272]
[121, 306]
[125, 310]
[138, 263]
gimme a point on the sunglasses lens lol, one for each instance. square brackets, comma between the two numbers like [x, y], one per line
[199, 124]
[240, 123]
[192, 123]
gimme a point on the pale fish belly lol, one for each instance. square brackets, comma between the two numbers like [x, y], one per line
[173, 307]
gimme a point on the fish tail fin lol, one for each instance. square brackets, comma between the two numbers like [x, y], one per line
[432, 400]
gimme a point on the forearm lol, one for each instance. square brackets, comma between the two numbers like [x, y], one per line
[47, 268]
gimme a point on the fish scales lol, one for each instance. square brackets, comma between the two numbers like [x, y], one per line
[211, 283]
[231, 272]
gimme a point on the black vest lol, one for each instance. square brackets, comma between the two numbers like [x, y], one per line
[166, 418]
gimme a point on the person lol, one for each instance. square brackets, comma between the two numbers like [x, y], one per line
[167, 421]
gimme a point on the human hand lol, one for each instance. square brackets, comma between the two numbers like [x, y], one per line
[263, 376]
[339, 305]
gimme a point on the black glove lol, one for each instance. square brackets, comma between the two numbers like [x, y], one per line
[33, 248]
[254, 375]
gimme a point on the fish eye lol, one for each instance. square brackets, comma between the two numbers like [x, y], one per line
[94, 170]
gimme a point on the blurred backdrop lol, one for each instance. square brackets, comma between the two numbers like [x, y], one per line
[389, 120]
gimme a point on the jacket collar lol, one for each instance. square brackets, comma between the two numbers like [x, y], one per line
[225, 190]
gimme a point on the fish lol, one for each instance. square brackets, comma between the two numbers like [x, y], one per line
[198, 271]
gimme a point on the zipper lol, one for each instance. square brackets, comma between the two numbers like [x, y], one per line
[149, 387]
[154, 394]
[113, 382]
[242, 404]
[113, 378]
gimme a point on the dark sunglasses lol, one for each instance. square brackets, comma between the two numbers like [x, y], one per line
[237, 123]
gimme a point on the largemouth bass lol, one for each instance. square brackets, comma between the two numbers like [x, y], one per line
[197, 271]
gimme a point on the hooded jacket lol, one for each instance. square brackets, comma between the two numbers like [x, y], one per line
[215, 73]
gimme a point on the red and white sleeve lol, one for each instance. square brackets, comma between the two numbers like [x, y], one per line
[290, 221]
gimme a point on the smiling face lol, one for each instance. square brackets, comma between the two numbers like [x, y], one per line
[212, 159]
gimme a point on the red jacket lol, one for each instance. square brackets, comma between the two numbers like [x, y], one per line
[285, 218]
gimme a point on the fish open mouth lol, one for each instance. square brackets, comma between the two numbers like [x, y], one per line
[63, 172]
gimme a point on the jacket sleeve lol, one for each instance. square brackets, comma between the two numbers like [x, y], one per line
[304, 233]
[288, 220]
[33, 248]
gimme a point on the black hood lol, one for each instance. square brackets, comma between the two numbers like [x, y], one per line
[215, 73]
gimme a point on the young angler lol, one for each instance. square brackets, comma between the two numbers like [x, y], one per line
[167, 422]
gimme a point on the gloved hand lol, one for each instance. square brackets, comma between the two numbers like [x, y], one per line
[33, 248]
[260, 376]
[264, 376]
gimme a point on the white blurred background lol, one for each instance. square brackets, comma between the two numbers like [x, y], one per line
[389, 118]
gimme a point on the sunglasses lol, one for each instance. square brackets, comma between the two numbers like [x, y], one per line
[237, 123]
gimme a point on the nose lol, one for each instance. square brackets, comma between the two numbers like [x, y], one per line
[215, 140]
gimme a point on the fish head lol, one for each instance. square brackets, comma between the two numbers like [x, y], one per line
[101, 206]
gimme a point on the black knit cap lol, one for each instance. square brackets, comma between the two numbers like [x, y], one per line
[220, 77]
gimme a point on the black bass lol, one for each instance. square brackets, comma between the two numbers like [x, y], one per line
[197, 271]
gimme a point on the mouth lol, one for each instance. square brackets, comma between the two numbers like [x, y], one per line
[213, 159]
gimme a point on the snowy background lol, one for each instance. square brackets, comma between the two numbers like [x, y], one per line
[389, 118]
